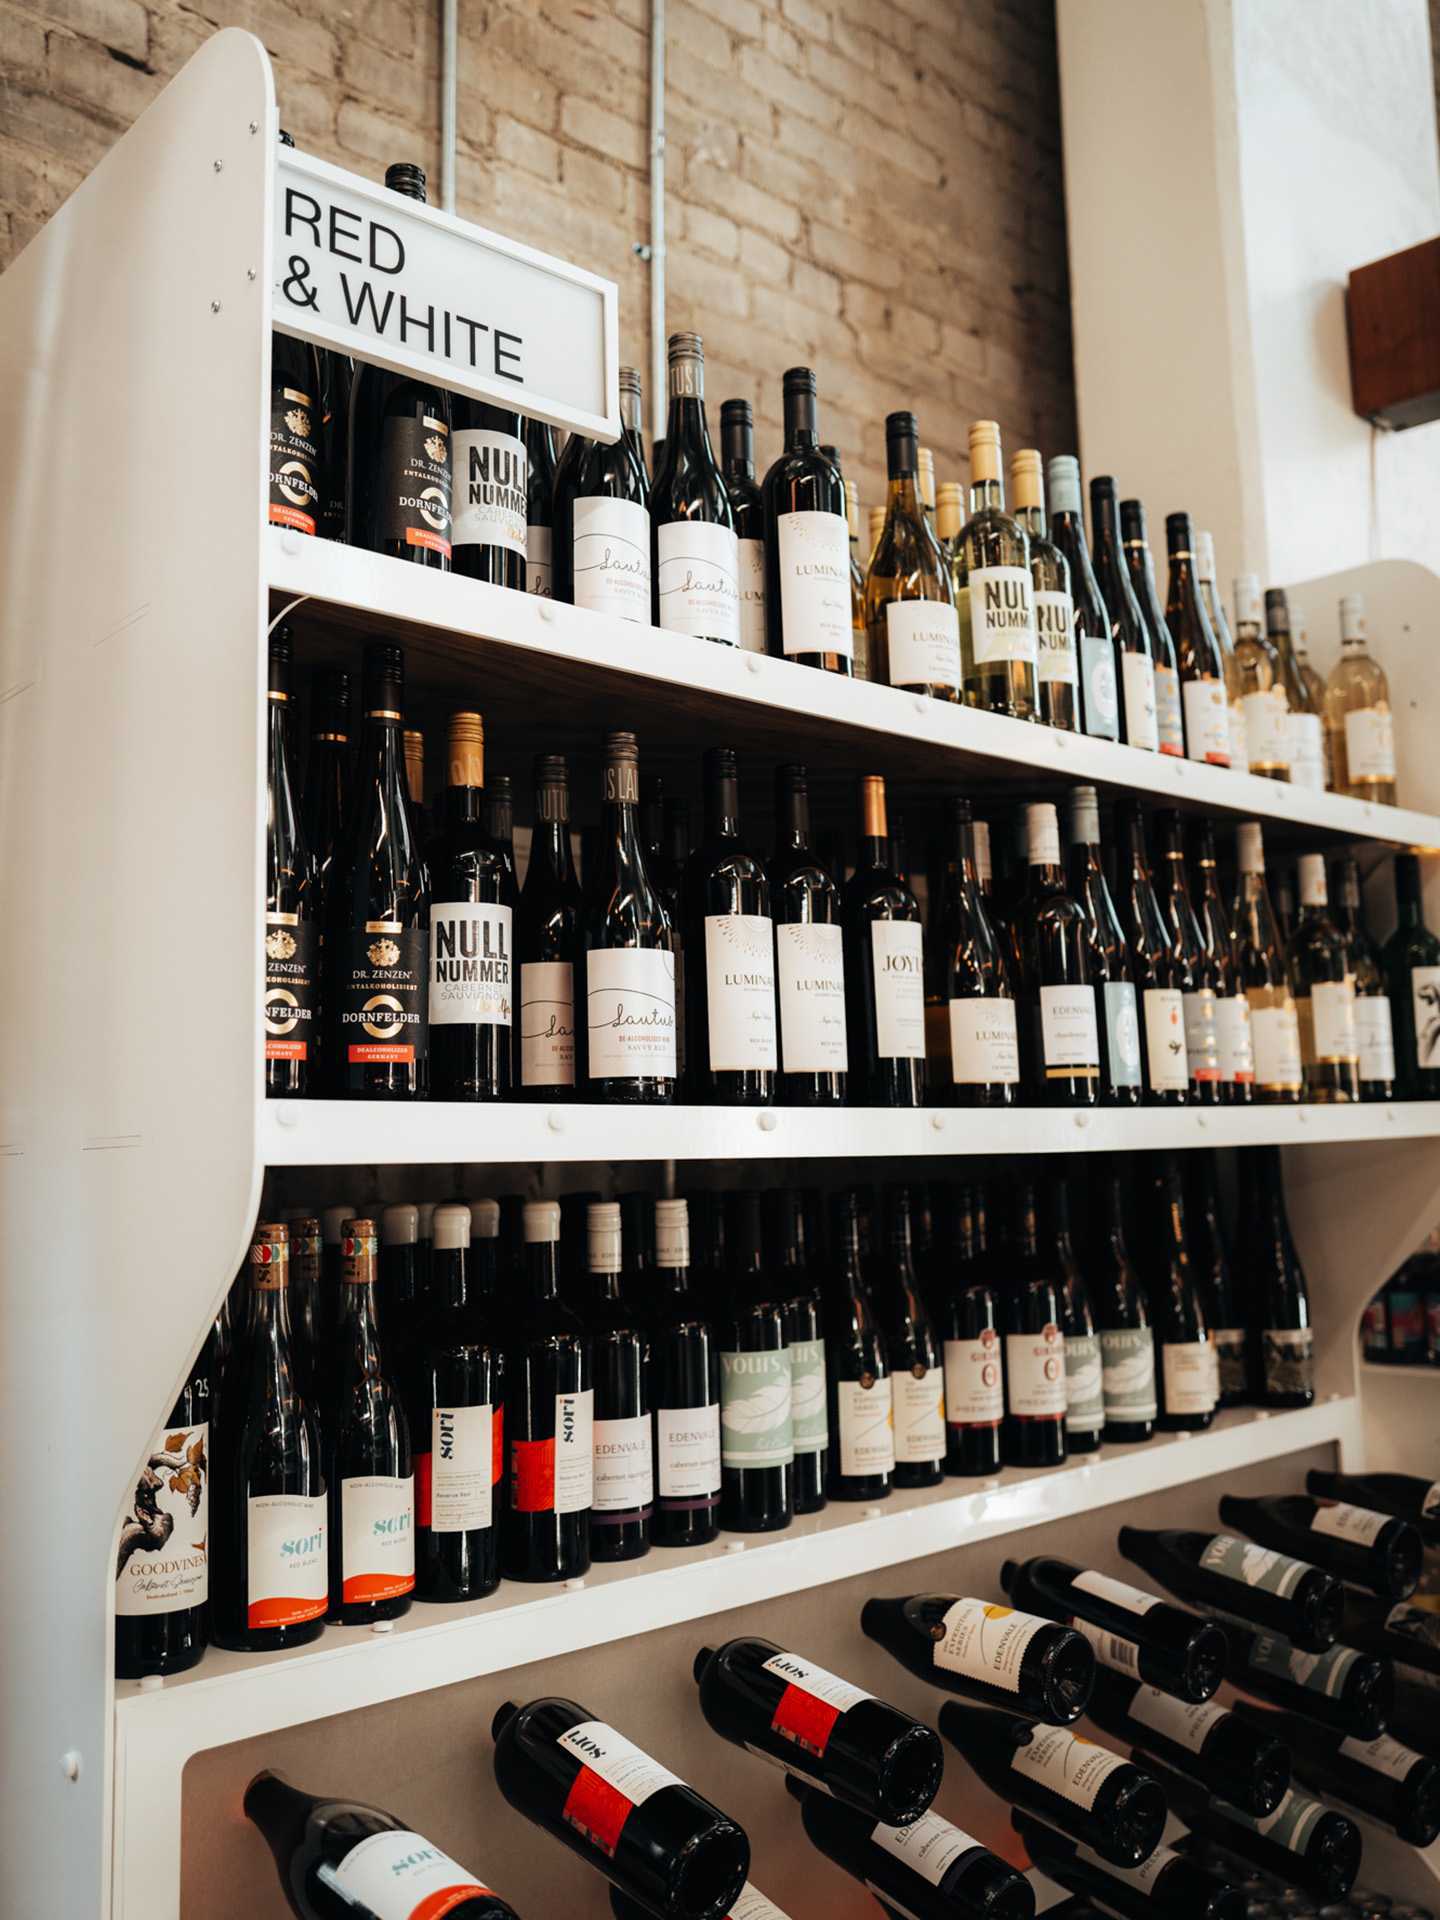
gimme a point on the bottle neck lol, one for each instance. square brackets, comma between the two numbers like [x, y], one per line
[542, 1270]
[1104, 517]
[1028, 1228]
[801, 429]
[987, 493]
[604, 1286]
[1033, 521]
[722, 807]
[792, 824]
[359, 1328]
[449, 1278]
[550, 836]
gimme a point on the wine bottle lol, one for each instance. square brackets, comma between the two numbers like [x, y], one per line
[337, 374]
[1359, 723]
[925, 477]
[749, 1904]
[292, 946]
[1382, 1777]
[624, 1814]
[1412, 973]
[1208, 582]
[909, 595]
[1234, 1041]
[1215, 1277]
[1021, 1661]
[1279, 1297]
[884, 969]
[1139, 724]
[1109, 956]
[489, 492]
[398, 484]
[1304, 727]
[1203, 691]
[807, 560]
[327, 777]
[809, 955]
[1319, 962]
[695, 554]
[914, 1352]
[1302, 1843]
[868, 1755]
[990, 567]
[1245, 1764]
[601, 522]
[625, 1040]
[1056, 672]
[1340, 1688]
[549, 1419]
[861, 1459]
[547, 931]
[790, 1254]
[162, 1569]
[1187, 1374]
[1366, 1548]
[1203, 964]
[398, 1307]
[413, 741]
[1127, 1338]
[1099, 690]
[342, 1857]
[1260, 679]
[684, 1392]
[757, 1434]
[309, 1320]
[1242, 1581]
[1408, 1496]
[1374, 1034]
[1131, 1631]
[1168, 1883]
[1169, 713]
[1056, 958]
[1265, 976]
[1407, 1636]
[929, 1869]
[967, 1318]
[1084, 1391]
[859, 636]
[297, 477]
[737, 458]
[1085, 1790]
[730, 1029]
[539, 438]
[624, 1478]
[983, 1037]
[1033, 1431]
[1163, 976]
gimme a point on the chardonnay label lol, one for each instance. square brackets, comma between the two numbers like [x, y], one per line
[612, 557]
[974, 1389]
[1207, 721]
[1275, 1032]
[1002, 616]
[412, 484]
[1165, 1054]
[1169, 724]
[1369, 746]
[897, 953]
[286, 1555]
[382, 971]
[1141, 722]
[923, 637]
[1127, 1371]
[1287, 1357]
[294, 460]
[1188, 1369]
[984, 1043]
[292, 998]
[1425, 1001]
[1074, 1768]
[624, 1465]
[630, 1012]
[814, 583]
[470, 949]
[688, 1453]
[1117, 1592]
[1084, 1394]
[756, 1416]
[1267, 733]
[1327, 1023]
[1055, 638]
[163, 1562]
[539, 562]
[1355, 1524]
[397, 1875]
[918, 1395]
[1122, 1033]
[547, 1023]
[1382, 1755]
[751, 578]
[1035, 1371]
[455, 1480]
[1307, 751]
[1290, 1825]
[1145, 1878]
[810, 969]
[1178, 1720]
[1375, 1037]
[929, 1846]
[1316, 1672]
[1202, 1035]
[615, 1777]
[986, 1642]
[1233, 1039]
[489, 492]
[867, 1431]
[557, 1474]
[812, 1702]
[810, 1430]
[699, 580]
[740, 986]
[1069, 1035]
[377, 1536]
[1102, 705]
[1253, 1566]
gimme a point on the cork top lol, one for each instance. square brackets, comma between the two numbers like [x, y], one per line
[466, 750]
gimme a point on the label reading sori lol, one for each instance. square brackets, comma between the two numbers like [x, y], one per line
[459, 1496]
[1165, 1054]
[539, 550]
[1356, 1524]
[630, 1013]
[815, 583]
[740, 983]
[574, 1453]
[377, 1538]
[812, 1702]
[489, 492]
[292, 995]
[382, 972]
[984, 1043]
[986, 1642]
[624, 1465]
[398, 1876]
[1069, 1035]
[810, 1432]
[1035, 1369]
[1187, 1725]
[1253, 1566]
[162, 1565]
[867, 1433]
[547, 1023]
[1122, 1033]
[896, 948]
[810, 973]
[923, 637]
[1002, 616]
[687, 1443]
[1075, 1769]
[1055, 637]
[974, 1389]
[286, 1558]
[1084, 1396]
[612, 557]
[1102, 706]
[1141, 724]
[751, 577]
[470, 948]
[615, 1777]
[1127, 1363]
[756, 1421]
[930, 1846]
[699, 585]
[918, 1396]
[412, 483]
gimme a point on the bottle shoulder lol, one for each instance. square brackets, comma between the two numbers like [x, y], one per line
[803, 481]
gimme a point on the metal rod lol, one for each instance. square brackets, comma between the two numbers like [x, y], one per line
[449, 64]
[657, 218]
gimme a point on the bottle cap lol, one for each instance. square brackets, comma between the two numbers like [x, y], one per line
[984, 451]
[1027, 478]
[672, 1233]
[981, 829]
[872, 806]
[332, 1222]
[959, 810]
[485, 1219]
[1103, 487]
[1313, 890]
[1247, 599]
[405, 177]
[1180, 536]
[466, 743]
[1132, 523]
[304, 1231]
[1249, 847]
[451, 1227]
[1352, 617]
[330, 703]
[400, 1226]
[414, 765]
[949, 509]
[798, 380]
[1277, 611]
[630, 377]
[682, 346]
[736, 413]
[1042, 834]
[925, 469]
[542, 1221]
[1062, 477]
[1084, 817]
[384, 680]
[721, 763]
[1204, 557]
[426, 1211]
[270, 1256]
[602, 1226]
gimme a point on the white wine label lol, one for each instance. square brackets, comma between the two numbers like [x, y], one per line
[1370, 746]
[1375, 1036]
[1383, 1755]
[1075, 1769]
[539, 562]
[699, 580]
[1141, 721]
[1291, 1823]
[1287, 1357]
[867, 1427]
[814, 551]
[1207, 721]
[630, 1012]
[470, 977]
[1165, 1056]
[1425, 1001]
[163, 1562]
[1112, 1650]
[1357, 1524]
[1267, 733]
[1275, 1032]
[1306, 739]
[574, 1451]
[1102, 704]
[810, 1430]
[1069, 1034]
[896, 948]
[615, 1777]
[810, 970]
[624, 1465]
[489, 488]
[974, 1386]
[918, 1400]
[1127, 1361]
[612, 557]
[1202, 1035]
[984, 1043]
[923, 638]
[456, 1494]
[1234, 1039]
[287, 1559]
[929, 1845]
[752, 1905]
[547, 1023]
[1254, 1566]
[377, 1536]
[1144, 1878]
[1122, 1033]
[751, 577]
[740, 990]
[1055, 638]
[1002, 616]
[1035, 1374]
[1118, 1592]
[1169, 720]
[1239, 738]
[986, 1642]
[1187, 1725]
[1084, 1393]
[1189, 1374]
[1332, 1022]
[687, 1443]
[400, 1876]
[756, 1418]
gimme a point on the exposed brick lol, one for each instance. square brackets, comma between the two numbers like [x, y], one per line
[812, 20]
[598, 182]
[588, 125]
[517, 145]
[123, 24]
[23, 38]
[81, 70]
[694, 35]
[764, 260]
[751, 206]
[711, 232]
[793, 94]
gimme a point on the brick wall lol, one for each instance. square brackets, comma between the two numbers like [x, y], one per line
[874, 191]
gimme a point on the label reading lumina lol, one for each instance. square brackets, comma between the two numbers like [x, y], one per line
[814, 583]
[470, 975]
[810, 972]
[162, 1565]
[1002, 616]
[923, 639]
[896, 947]
[984, 1043]
[699, 586]
[740, 980]
[630, 1013]
[756, 1415]
[751, 577]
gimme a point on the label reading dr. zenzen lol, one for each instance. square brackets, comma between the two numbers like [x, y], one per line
[380, 972]
[412, 485]
[292, 995]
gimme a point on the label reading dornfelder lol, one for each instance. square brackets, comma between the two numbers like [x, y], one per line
[163, 1562]
[381, 972]
[470, 972]
[292, 994]
[984, 1042]
[810, 974]
[294, 460]
[611, 563]
[699, 585]
[399, 1876]
[814, 583]
[489, 492]
[1002, 616]
[740, 992]
[412, 483]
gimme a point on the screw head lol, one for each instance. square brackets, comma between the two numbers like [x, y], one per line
[215, 306]
[219, 166]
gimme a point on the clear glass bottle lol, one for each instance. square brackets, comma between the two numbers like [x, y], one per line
[1220, 626]
[1197, 652]
[1359, 725]
[1099, 689]
[1305, 731]
[925, 471]
[1265, 976]
[949, 517]
[991, 569]
[909, 595]
[1312, 681]
[1057, 677]
[1133, 655]
[1324, 992]
[859, 637]
[1262, 686]
[1169, 714]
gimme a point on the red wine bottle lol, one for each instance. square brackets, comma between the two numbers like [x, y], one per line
[1033, 1434]
[601, 521]
[1407, 1636]
[539, 437]
[870, 1756]
[1391, 1782]
[1301, 1842]
[1340, 1687]
[489, 492]
[1111, 969]
[1244, 1764]
[884, 969]
[914, 1353]
[967, 1319]
[695, 554]
[807, 548]
[397, 1292]
[1167, 1886]
[684, 1391]
[327, 775]
[162, 1568]
[624, 1491]
[1084, 1376]
[1162, 972]
[1134, 1632]
[292, 905]
[809, 955]
[861, 1458]
[737, 458]
[982, 1040]
[1215, 1277]
[1368, 1549]
[1408, 1496]
[757, 1427]
[1216, 1570]
[547, 932]
[623, 1813]
[987, 1652]
[1064, 1032]
[1127, 1339]
[1204, 968]
[1187, 1375]
[1283, 1330]
[731, 1049]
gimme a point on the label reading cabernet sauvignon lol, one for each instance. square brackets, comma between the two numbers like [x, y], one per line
[490, 489]
[381, 975]
[292, 993]
[412, 488]
[294, 460]
[470, 972]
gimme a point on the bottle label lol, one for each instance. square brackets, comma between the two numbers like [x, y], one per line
[1207, 721]
[1122, 1033]
[918, 1397]
[1202, 1035]
[1253, 1566]
[612, 557]
[1383, 1755]
[539, 562]
[1239, 741]
[1233, 1039]
[470, 948]
[1425, 1001]
[752, 1905]
[1035, 1374]
[1370, 746]
[490, 487]
[1169, 724]
[815, 583]
[1145, 1878]
[1002, 616]
[1275, 1033]
[163, 1563]
[1289, 1825]
[615, 1777]
[1055, 638]
[398, 1875]
[1069, 1766]
[624, 1465]
[986, 1642]
[1230, 1344]
[1307, 751]
[984, 1043]
[1119, 1593]
[1084, 1393]
[1267, 734]
[812, 1702]
[1189, 1369]
[382, 974]
[924, 643]
[1415, 1623]
[412, 486]
[810, 1429]
[630, 1012]
[1375, 1037]
[740, 985]
[377, 1537]
[1165, 1053]
[287, 1558]
[292, 997]
[1188, 1726]
[1317, 1672]
[1344, 1522]
[1288, 1358]
[688, 1449]
[547, 1023]
[699, 580]
[810, 968]
[1141, 721]
[455, 1489]
[294, 460]
[1069, 1034]
[1111, 1649]
[756, 1418]
[974, 1386]
[896, 949]
[1127, 1362]
[867, 1430]
[929, 1846]
[1102, 705]
[750, 576]
[557, 1474]
[1327, 1023]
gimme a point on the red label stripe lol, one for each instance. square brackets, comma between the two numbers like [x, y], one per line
[804, 1719]
[597, 1810]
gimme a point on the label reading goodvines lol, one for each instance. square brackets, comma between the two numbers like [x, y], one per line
[400, 1876]
[1344, 1522]
[612, 557]
[163, 1562]
[630, 1013]
[1002, 616]
[814, 583]
[986, 1643]
[929, 1845]
[812, 1702]
[1187, 1725]
[699, 580]
[1076, 1769]
[756, 1417]
[923, 637]
[1254, 1566]
[470, 975]
[615, 1777]
[1289, 1825]
[286, 1557]
[896, 948]
[810, 972]
[740, 982]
